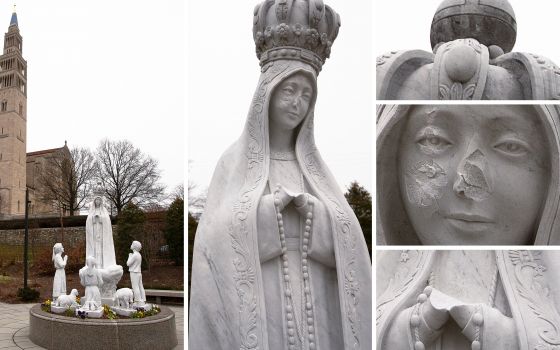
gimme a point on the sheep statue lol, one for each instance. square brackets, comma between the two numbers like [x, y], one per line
[124, 297]
[67, 300]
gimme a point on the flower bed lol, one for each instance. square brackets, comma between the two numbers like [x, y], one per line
[108, 313]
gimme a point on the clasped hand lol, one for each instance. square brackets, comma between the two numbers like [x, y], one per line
[436, 308]
[285, 197]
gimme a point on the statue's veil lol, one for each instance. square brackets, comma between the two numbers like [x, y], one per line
[227, 292]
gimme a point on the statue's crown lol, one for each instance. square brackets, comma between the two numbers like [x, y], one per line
[294, 29]
[98, 190]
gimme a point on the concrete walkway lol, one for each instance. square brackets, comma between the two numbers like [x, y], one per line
[14, 326]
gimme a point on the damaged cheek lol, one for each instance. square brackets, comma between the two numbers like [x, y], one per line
[424, 183]
[474, 179]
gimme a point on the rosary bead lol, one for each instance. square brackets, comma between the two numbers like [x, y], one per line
[478, 319]
[475, 345]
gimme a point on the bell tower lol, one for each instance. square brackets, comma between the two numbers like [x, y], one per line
[13, 123]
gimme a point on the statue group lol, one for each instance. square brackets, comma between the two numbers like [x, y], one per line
[101, 274]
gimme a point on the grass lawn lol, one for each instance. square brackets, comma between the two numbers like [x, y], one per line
[10, 254]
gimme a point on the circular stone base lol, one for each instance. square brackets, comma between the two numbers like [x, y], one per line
[59, 332]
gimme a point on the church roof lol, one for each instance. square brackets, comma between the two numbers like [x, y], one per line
[45, 151]
[13, 21]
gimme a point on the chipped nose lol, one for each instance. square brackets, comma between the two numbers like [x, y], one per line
[473, 178]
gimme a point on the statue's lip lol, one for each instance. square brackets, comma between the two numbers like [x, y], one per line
[293, 115]
[469, 218]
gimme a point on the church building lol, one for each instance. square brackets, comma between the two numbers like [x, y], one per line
[18, 170]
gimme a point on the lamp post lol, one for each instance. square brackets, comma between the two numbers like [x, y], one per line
[26, 243]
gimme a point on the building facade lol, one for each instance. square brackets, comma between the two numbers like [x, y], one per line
[13, 123]
[19, 170]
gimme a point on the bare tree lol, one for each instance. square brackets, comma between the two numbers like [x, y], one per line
[197, 200]
[66, 178]
[196, 197]
[178, 192]
[126, 174]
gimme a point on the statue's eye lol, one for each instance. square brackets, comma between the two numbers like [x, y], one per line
[288, 90]
[434, 141]
[511, 147]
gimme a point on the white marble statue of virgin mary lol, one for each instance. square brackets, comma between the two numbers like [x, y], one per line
[99, 234]
[99, 245]
[280, 260]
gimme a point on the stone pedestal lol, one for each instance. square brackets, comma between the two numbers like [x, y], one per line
[64, 333]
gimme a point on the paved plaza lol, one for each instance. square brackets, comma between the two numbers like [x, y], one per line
[14, 326]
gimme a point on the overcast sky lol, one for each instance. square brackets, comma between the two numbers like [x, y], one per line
[223, 71]
[405, 24]
[106, 69]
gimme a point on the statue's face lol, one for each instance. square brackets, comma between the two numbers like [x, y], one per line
[97, 202]
[290, 102]
[473, 174]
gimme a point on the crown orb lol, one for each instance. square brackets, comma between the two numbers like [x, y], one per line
[461, 63]
[490, 22]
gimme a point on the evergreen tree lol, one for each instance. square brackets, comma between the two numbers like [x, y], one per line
[130, 227]
[174, 230]
[192, 225]
[360, 201]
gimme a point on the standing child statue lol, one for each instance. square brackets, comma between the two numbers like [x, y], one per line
[90, 277]
[134, 264]
[59, 282]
